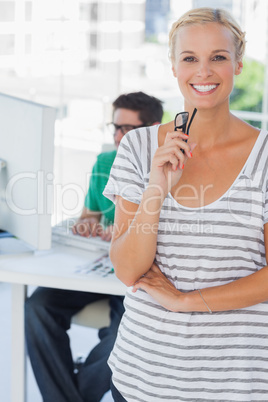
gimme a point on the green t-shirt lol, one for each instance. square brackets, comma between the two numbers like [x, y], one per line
[94, 200]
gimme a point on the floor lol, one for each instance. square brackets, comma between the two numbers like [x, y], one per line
[79, 340]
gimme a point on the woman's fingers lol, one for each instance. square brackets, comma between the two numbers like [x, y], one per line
[172, 152]
[181, 139]
[176, 134]
[155, 268]
[143, 282]
[169, 160]
[175, 158]
[156, 284]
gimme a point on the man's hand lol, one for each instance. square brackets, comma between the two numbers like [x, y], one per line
[88, 227]
[107, 233]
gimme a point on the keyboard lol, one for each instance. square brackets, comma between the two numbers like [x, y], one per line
[62, 233]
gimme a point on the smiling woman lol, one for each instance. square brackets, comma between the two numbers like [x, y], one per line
[205, 64]
[192, 292]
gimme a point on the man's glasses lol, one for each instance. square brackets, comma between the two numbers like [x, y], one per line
[180, 123]
[124, 128]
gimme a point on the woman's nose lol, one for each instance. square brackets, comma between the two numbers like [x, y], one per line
[204, 70]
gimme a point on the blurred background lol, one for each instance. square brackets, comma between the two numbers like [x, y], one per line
[80, 55]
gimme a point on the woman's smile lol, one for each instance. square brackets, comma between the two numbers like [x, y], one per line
[205, 89]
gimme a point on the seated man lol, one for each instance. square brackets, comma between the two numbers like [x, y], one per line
[48, 312]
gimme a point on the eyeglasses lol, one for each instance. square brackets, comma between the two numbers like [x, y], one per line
[181, 119]
[124, 128]
[180, 122]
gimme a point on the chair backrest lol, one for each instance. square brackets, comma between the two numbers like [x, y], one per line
[94, 315]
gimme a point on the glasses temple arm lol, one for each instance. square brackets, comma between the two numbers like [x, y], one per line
[190, 122]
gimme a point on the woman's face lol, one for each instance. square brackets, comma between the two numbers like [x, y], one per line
[205, 64]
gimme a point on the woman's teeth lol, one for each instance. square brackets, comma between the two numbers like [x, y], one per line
[204, 88]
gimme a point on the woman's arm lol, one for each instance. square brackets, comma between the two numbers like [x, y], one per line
[243, 292]
[134, 239]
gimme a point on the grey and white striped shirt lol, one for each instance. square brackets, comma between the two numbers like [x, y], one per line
[165, 356]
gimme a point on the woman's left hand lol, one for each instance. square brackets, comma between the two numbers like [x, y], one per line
[159, 287]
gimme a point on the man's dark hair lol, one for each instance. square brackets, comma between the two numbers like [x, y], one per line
[150, 108]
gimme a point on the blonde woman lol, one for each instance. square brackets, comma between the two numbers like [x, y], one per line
[190, 236]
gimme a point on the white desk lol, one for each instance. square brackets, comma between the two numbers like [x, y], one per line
[55, 269]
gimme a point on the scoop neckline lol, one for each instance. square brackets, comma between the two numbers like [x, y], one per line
[261, 133]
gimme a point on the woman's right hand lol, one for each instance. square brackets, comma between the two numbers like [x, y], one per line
[168, 161]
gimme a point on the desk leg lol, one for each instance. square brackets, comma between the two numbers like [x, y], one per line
[18, 356]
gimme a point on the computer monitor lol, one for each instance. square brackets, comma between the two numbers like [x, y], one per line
[26, 170]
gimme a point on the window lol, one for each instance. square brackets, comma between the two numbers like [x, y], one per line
[7, 44]
[7, 11]
[28, 10]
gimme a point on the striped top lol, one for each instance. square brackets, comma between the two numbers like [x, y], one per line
[164, 356]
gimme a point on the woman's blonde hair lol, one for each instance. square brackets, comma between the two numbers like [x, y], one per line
[205, 15]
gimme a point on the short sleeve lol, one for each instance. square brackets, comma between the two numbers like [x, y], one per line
[264, 172]
[266, 204]
[126, 176]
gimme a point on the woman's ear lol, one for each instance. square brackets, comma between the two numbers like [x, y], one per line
[173, 70]
[239, 67]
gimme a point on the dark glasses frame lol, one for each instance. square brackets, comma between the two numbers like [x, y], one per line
[184, 116]
[124, 128]
[181, 120]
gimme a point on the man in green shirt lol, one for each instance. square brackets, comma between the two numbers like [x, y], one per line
[97, 207]
[98, 181]
[48, 312]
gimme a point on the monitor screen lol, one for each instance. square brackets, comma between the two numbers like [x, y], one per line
[26, 170]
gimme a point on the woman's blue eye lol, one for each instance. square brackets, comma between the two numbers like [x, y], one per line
[189, 59]
[219, 58]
